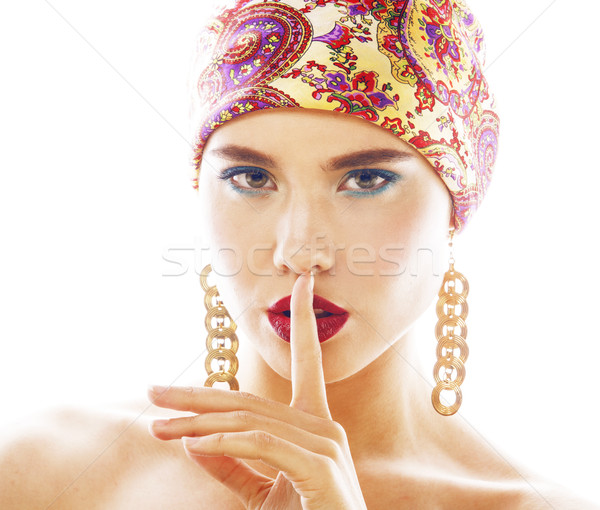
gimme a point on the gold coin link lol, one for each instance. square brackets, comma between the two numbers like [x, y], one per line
[221, 343]
[451, 333]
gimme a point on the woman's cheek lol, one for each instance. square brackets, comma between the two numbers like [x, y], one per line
[393, 259]
[229, 237]
[228, 261]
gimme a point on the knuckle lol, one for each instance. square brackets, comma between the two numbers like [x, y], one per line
[330, 466]
[249, 399]
[248, 396]
[333, 452]
[309, 357]
[262, 440]
[337, 432]
[324, 464]
[219, 439]
[193, 421]
[243, 416]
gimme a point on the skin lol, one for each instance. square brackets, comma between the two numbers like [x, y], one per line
[346, 424]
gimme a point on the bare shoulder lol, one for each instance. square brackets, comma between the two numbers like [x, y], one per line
[500, 483]
[545, 494]
[447, 485]
[56, 457]
[483, 476]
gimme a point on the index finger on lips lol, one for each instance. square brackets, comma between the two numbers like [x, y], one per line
[308, 381]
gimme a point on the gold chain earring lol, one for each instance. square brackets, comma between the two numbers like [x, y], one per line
[452, 309]
[221, 342]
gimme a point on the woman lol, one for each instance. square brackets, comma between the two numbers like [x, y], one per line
[343, 417]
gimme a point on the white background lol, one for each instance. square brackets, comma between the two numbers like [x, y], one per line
[94, 190]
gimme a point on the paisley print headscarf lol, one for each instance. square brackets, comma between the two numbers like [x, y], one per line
[414, 67]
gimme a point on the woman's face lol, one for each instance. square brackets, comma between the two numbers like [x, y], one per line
[286, 191]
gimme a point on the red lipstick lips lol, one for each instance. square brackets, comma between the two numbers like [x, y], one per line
[330, 318]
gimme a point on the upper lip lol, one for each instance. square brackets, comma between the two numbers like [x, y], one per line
[319, 302]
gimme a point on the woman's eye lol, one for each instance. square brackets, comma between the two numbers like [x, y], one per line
[248, 179]
[368, 181]
[252, 179]
[357, 182]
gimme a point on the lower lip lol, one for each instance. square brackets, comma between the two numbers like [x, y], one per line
[326, 326]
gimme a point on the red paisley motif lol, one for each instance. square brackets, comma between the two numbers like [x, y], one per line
[394, 125]
[364, 81]
[425, 97]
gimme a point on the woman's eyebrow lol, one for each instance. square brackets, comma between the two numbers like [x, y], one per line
[363, 158]
[367, 158]
[240, 153]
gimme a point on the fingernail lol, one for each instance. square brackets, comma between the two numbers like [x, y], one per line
[190, 442]
[157, 390]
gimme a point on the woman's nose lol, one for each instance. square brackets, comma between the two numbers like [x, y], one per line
[303, 240]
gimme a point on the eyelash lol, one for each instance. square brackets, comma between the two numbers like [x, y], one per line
[389, 178]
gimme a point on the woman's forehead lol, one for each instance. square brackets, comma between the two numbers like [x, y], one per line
[298, 127]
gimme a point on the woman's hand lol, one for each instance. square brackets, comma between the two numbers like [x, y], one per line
[301, 441]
